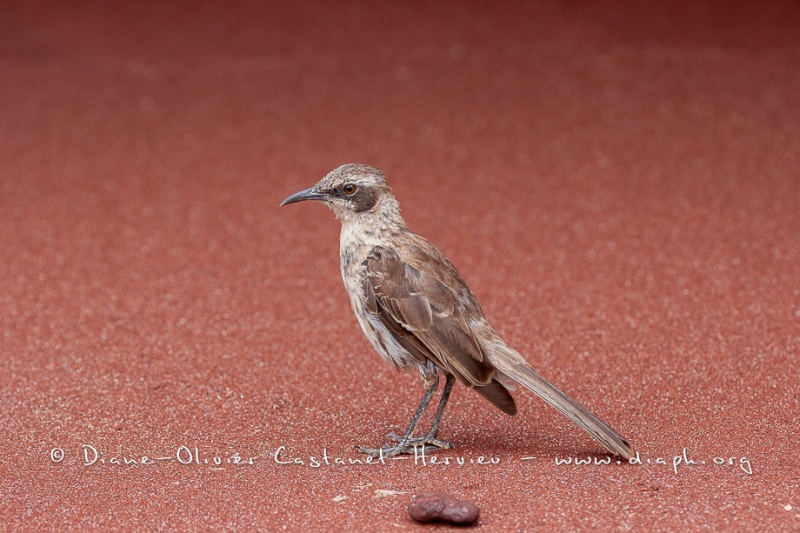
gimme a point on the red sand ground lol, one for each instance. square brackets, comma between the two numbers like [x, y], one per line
[620, 185]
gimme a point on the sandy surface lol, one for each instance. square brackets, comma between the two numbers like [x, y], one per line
[619, 185]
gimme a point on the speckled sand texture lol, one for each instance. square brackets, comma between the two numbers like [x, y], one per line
[618, 182]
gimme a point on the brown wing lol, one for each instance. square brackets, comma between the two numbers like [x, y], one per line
[423, 314]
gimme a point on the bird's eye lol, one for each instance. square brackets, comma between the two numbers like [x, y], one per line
[349, 189]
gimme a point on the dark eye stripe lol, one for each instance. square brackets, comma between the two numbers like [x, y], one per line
[365, 199]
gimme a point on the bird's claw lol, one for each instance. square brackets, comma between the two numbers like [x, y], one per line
[407, 446]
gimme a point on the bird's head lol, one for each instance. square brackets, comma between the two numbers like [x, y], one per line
[352, 191]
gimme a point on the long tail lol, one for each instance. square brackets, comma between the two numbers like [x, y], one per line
[511, 365]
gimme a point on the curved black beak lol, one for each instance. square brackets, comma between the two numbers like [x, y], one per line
[308, 194]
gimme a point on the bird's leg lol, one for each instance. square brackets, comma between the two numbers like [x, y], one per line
[430, 438]
[429, 373]
[408, 445]
[448, 386]
[431, 383]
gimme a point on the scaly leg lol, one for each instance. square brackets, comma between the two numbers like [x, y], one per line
[408, 445]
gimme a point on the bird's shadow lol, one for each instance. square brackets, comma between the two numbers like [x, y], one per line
[498, 442]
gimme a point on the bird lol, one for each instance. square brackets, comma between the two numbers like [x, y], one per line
[418, 313]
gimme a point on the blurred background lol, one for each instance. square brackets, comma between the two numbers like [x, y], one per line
[617, 181]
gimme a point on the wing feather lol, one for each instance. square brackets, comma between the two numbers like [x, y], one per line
[423, 315]
[424, 312]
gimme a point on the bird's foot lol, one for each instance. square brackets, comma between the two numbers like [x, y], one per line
[420, 441]
[408, 446]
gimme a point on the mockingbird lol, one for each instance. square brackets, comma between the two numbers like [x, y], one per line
[418, 312]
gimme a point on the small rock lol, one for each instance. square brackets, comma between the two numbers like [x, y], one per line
[429, 506]
[381, 493]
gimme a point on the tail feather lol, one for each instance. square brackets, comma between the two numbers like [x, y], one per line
[519, 371]
[499, 396]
